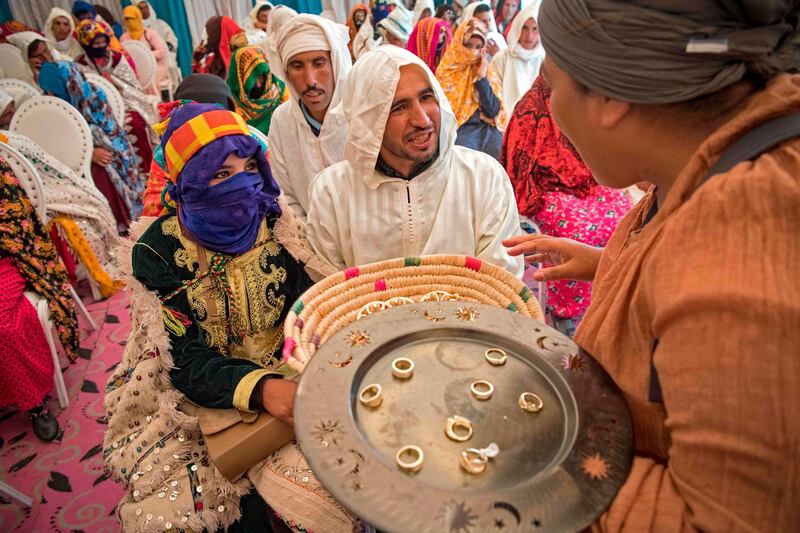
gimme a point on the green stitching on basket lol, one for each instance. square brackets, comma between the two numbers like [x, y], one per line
[525, 294]
[512, 307]
[412, 261]
[298, 306]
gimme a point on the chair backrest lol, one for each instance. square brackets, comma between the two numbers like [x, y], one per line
[259, 135]
[19, 90]
[113, 95]
[59, 129]
[145, 62]
[12, 63]
[28, 176]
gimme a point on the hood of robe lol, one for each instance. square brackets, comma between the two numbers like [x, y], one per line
[368, 94]
[305, 33]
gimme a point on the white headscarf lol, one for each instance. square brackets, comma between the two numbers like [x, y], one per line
[279, 16]
[249, 23]
[493, 33]
[305, 33]
[70, 46]
[521, 66]
[368, 95]
[398, 23]
[421, 6]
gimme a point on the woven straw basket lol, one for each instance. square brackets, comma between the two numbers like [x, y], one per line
[346, 296]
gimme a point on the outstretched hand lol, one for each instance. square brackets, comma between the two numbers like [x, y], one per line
[568, 259]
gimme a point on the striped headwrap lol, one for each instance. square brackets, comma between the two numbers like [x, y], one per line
[196, 133]
[87, 30]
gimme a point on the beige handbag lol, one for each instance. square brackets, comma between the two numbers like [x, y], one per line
[237, 440]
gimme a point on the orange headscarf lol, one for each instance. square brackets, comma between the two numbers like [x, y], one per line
[134, 22]
[458, 72]
[351, 23]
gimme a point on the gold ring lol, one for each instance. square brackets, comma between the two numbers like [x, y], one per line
[530, 402]
[482, 389]
[402, 368]
[371, 395]
[497, 360]
[415, 455]
[473, 461]
[458, 423]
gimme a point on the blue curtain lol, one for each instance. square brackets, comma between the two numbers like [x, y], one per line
[174, 13]
[304, 6]
[5, 11]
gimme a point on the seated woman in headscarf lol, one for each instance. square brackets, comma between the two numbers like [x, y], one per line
[214, 56]
[98, 57]
[256, 91]
[506, 12]
[114, 164]
[255, 24]
[518, 65]
[556, 190]
[358, 16]
[483, 11]
[59, 28]
[35, 50]
[28, 262]
[85, 11]
[473, 89]
[429, 41]
[75, 205]
[214, 280]
[150, 38]
[447, 13]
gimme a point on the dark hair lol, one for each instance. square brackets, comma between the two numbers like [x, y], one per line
[105, 13]
[482, 8]
[442, 9]
[34, 45]
[265, 7]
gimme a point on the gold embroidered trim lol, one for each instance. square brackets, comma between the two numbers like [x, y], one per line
[241, 396]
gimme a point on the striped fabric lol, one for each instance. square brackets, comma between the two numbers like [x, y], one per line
[198, 132]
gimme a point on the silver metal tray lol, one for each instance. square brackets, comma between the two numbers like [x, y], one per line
[557, 469]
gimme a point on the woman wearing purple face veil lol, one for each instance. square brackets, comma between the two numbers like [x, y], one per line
[212, 281]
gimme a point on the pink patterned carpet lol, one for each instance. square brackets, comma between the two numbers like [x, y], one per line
[65, 478]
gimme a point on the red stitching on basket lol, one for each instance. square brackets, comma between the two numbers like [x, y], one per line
[350, 273]
[473, 264]
[380, 285]
[288, 346]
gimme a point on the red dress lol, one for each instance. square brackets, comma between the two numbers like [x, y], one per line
[556, 190]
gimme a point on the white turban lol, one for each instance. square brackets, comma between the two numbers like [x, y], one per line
[306, 33]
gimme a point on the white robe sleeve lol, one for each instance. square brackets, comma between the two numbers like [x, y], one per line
[280, 171]
[322, 225]
[499, 221]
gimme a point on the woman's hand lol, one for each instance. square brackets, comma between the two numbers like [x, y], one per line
[278, 398]
[569, 259]
[483, 68]
[101, 156]
[492, 47]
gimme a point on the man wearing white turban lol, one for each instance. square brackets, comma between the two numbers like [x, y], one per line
[404, 188]
[308, 132]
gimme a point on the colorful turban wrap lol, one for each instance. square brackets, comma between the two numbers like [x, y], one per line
[89, 29]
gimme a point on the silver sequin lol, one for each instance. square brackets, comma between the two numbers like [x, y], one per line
[161, 494]
[221, 508]
[138, 512]
[166, 468]
[136, 494]
[168, 525]
[199, 488]
[149, 516]
[194, 468]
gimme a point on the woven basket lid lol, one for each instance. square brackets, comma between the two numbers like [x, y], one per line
[346, 296]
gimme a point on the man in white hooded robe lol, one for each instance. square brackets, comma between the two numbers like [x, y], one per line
[404, 188]
[308, 132]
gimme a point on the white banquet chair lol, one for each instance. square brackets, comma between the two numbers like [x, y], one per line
[19, 90]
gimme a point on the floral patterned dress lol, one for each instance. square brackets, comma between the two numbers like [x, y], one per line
[28, 261]
[556, 190]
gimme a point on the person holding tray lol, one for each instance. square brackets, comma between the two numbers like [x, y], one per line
[696, 297]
